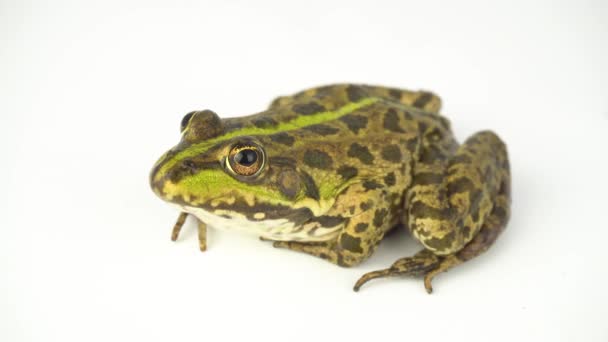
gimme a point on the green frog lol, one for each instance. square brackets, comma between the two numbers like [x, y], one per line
[329, 171]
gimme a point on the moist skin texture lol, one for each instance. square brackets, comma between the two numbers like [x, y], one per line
[336, 168]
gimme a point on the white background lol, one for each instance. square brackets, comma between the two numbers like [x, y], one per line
[92, 94]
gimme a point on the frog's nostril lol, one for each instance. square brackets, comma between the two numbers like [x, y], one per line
[189, 164]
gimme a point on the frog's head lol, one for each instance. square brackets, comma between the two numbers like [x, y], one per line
[217, 173]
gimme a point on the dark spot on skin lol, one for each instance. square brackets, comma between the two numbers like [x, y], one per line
[395, 93]
[351, 209]
[505, 164]
[422, 127]
[421, 210]
[475, 214]
[391, 121]
[318, 159]
[233, 125]
[283, 138]
[412, 144]
[366, 205]
[264, 122]
[500, 213]
[441, 244]
[390, 179]
[323, 91]
[461, 185]
[466, 231]
[379, 217]
[423, 100]
[475, 198]
[283, 162]
[395, 198]
[225, 216]
[361, 227]
[189, 164]
[371, 185]
[351, 243]
[505, 188]
[327, 221]
[308, 108]
[289, 183]
[322, 129]
[341, 261]
[324, 256]
[407, 116]
[355, 122]
[428, 178]
[355, 93]
[347, 172]
[391, 153]
[360, 152]
[309, 185]
[432, 154]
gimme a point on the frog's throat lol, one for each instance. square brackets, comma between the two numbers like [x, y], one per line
[297, 123]
[279, 229]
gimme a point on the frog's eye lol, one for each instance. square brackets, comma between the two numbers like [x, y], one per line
[245, 159]
[185, 121]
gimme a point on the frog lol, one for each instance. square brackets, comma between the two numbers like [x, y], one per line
[330, 171]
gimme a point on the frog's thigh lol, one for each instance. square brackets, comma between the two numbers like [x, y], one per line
[449, 203]
[361, 232]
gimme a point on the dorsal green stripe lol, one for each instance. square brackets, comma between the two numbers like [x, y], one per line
[297, 123]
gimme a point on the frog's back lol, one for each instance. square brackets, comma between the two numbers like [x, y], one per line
[343, 106]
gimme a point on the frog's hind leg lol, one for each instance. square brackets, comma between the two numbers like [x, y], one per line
[429, 264]
[456, 208]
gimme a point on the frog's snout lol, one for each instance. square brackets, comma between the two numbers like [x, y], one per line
[161, 176]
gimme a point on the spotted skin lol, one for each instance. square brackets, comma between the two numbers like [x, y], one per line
[343, 165]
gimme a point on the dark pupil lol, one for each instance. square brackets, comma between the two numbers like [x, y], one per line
[185, 121]
[246, 157]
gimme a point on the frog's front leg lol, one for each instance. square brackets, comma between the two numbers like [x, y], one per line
[456, 208]
[361, 231]
[202, 230]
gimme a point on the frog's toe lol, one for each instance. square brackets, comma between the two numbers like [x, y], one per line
[369, 276]
[181, 219]
[422, 263]
[428, 278]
